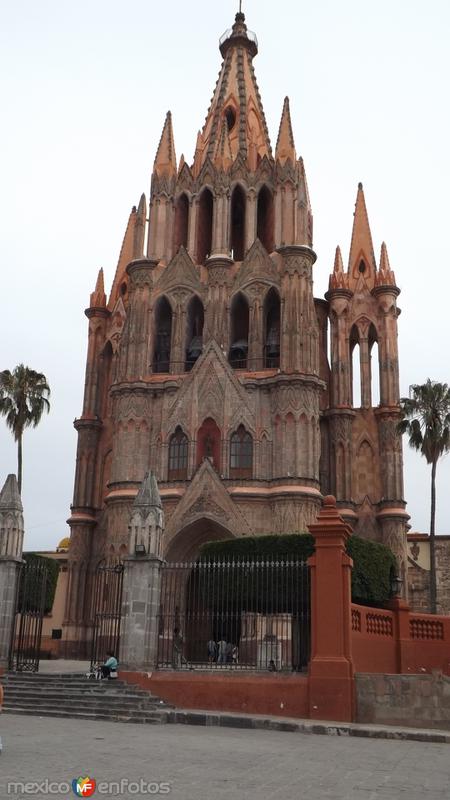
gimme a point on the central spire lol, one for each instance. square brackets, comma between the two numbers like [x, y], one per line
[236, 103]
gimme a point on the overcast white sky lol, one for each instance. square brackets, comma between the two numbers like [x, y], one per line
[84, 90]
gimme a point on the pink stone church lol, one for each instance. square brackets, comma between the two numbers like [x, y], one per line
[212, 363]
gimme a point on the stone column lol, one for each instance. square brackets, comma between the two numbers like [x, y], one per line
[331, 674]
[11, 544]
[142, 580]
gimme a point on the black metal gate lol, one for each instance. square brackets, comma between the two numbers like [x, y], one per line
[107, 611]
[26, 637]
[235, 613]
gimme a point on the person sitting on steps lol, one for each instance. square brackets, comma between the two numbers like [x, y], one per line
[109, 668]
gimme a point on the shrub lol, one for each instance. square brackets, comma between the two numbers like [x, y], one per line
[31, 593]
[374, 564]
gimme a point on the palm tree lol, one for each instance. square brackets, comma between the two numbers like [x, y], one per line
[24, 397]
[426, 420]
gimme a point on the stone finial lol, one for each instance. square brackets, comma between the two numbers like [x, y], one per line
[98, 296]
[361, 263]
[385, 276]
[285, 148]
[148, 495]
[11, 520]
[147, 520]
[166, 160]
[338, 278]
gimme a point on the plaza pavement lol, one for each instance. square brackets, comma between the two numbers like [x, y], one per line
[215, 763]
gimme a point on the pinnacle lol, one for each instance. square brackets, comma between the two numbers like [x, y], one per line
[166, 161]
[224, 155]
[198, 154]
[148, 494]
[285, 148]
[10, 496]
[98, 296]
[338, 263]
[361, 249]
[338, 279]
[142, 204]
[384, 259]
[385, 276]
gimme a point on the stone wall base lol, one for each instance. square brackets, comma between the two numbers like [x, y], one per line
[419, 701]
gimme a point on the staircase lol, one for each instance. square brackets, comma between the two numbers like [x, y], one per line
[75, 697]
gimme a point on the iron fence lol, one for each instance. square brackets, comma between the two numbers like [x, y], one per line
[235, 614]
[24, 655]
[107, 610]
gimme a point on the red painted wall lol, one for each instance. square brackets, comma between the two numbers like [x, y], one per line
[275, 694]
[399, 641]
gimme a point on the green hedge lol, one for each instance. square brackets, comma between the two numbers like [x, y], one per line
[374, 564]
[31, 601]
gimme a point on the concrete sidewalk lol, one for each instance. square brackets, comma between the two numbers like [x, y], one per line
[225, 719]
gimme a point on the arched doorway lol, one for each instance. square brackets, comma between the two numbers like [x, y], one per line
[186, 622]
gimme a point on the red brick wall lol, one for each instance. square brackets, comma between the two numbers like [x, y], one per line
[275, 694]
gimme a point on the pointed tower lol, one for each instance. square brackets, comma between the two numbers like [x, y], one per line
[285, 150]
[361, 263]
[160, 244]
[366, 470]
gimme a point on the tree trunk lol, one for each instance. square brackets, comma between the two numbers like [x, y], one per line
[433, 598]
[19, 463]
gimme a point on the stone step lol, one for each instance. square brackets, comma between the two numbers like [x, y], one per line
[82, 685]
[23, 677]
[31, 702]
[119, 711]
[79, 691]
[149, 718]
[57, 676]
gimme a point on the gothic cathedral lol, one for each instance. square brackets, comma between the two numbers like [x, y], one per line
[213, 365]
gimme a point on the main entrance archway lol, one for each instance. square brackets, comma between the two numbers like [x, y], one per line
[185, 545]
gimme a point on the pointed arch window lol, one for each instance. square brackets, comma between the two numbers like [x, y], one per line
[194, 332]
[181, 223]
[241, 454]
[163, 336]
[237, 240]
[178, 456]
[265, 218]
[272, 330]
[374, 366]
[205, 226]
[240, 316]
[355, 388]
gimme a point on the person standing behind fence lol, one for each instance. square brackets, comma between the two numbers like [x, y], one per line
[177, 656]
[222, 651]
[212, 651]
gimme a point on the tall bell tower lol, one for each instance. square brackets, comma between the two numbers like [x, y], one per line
[366, 463]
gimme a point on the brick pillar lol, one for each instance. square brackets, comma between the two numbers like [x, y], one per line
[331, 676]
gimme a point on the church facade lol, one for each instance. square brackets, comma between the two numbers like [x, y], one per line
[212, 364]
